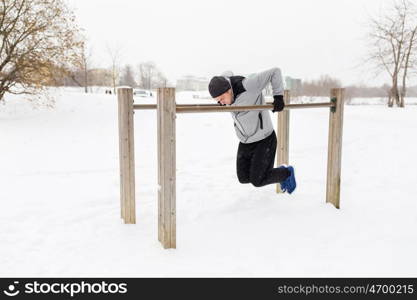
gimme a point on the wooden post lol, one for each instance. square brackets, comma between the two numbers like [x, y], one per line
[122, 210]
[334, 161]
[283, 136]
[166, 108]
[126, 155]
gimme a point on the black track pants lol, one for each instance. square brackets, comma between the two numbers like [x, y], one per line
[255, 163]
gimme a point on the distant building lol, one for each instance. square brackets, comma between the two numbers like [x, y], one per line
[293, 84]
[192, 83]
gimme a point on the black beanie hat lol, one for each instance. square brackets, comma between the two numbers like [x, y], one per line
[218, 85]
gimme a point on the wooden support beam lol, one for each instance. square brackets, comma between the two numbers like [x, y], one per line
[207, 108]
[334, 160]
[166, 109]
[126, 155]
[229, 108]
[283, 136]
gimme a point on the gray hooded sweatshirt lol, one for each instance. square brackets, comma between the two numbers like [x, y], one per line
[253, 126]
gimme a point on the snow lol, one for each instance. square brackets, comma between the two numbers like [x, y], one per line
[59, 196]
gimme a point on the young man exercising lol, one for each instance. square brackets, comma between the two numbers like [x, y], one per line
[258, 142]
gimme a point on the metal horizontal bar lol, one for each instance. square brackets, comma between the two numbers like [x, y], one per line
[205, 108]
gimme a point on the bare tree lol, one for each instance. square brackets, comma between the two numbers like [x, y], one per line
[146, 72]
[37, 39]
[393, 38]
[101, 77]
[128, 77]
[410, 60]
[86, 64]
[160, 80]
[96, 76]
[149, 76]
[319, 87]
[115, 54]
[81, 72]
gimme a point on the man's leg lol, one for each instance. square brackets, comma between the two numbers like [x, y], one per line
[243, 162]
[262, 171]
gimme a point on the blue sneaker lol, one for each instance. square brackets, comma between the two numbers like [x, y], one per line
[283, 183]
[289, 184]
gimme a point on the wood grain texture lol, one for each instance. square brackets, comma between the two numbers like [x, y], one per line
[283, 136]
[126, 155]
[334, 160]
[166, 108]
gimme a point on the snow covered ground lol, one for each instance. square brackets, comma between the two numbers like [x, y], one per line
[59, 196]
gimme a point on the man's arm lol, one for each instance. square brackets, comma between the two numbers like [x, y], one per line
[258, 82]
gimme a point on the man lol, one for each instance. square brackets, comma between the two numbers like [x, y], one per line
[258, 142]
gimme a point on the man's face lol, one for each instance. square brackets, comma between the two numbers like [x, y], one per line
[225, 99]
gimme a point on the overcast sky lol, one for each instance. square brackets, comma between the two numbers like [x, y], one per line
[304, 38]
